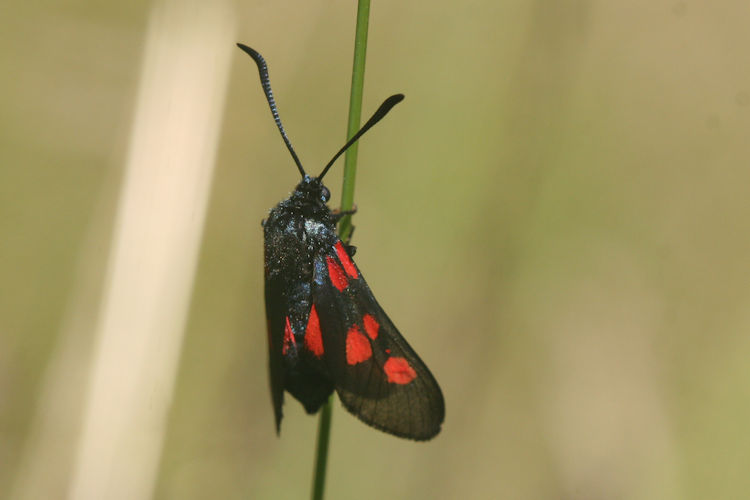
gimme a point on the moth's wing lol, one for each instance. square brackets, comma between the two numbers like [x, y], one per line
[293, 367]
[377, 375]
[277, 311]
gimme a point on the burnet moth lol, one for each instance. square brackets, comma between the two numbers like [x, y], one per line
[326, 331]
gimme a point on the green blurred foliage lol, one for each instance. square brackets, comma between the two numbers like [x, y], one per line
[556, 218]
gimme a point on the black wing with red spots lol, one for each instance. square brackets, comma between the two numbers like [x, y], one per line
[377, 375]
[294, 353]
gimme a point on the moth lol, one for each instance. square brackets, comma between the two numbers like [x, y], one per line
[325, 329]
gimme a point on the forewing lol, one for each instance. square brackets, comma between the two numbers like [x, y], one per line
[377, 375]
[294, 366]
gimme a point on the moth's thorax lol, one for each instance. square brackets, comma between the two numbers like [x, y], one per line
[303, 216]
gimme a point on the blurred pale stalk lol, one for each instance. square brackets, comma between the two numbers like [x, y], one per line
[156, 239]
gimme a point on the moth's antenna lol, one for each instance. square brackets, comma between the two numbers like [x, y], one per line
[266, 83]
[376, 117]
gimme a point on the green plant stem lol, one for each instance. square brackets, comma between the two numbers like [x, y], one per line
[347, 202]
[355, 115]
[321, 460]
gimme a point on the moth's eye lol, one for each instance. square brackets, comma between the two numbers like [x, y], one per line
[325, 194]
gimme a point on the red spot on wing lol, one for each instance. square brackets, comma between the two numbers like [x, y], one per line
[338, 278]
[399, 371]
[349, 266]
[313, 338]
[371, 326]
[357, 346]
[288, 337]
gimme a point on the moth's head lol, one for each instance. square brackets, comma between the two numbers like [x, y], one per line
[312, 187]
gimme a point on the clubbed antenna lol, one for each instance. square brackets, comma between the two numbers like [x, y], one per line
[376, 117]
[266, 83]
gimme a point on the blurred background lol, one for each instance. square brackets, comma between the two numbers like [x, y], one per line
[556, 218]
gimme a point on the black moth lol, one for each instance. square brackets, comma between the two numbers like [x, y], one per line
[326, 331]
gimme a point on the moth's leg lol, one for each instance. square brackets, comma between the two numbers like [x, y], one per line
[338, 214]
